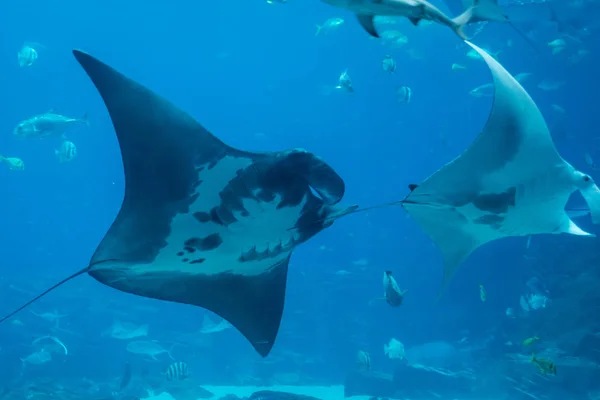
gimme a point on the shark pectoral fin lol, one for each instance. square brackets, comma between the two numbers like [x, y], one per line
[415, 21]
[591, 195]
[366, 21]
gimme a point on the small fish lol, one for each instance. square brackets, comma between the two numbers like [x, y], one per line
[557, 45]
[13, 163]
[148, 348]
[394, 350]
[47, 124]
[403, 94]
[548, 85]
[530, 341]
[394, 38]
[388, 64]
[385, 20]
[126, 330]
[590, 161]
[363, 361]
[330, 25]
[522, 76]
[37, 358]
[546, 366]
[458, 67]
[482, 293]
[277, 1]
[27, 55]
[392, 293]
[177, 371]
[487, 89]
[55, 340]
[344, 82]
[579, 55]
[66, 152]
[126, 377]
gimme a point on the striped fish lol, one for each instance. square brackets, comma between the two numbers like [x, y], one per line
[177, 371]
[66, 152]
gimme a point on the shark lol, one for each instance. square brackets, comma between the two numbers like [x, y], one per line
[201, 222]
[418, 10]
[511, 181]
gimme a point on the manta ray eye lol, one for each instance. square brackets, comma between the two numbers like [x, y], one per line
[586, 178]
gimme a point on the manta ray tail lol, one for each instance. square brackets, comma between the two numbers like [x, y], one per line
[76, 274]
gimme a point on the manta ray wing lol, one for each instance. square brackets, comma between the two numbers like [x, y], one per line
[202, 223]
[511, 181]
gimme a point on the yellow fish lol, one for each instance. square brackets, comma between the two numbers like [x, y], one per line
[546, 366]
[530, 341]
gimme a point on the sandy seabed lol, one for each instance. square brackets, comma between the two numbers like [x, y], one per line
[321, 392]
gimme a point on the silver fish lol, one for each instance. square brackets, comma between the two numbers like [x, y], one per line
[403, 94]
[393, 295]
[27, 56]
[344, 82]
[388, 64]
[37, 358]
[47, 124]
[66, 152]
[148, 348]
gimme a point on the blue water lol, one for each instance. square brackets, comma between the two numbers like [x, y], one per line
[255, 75]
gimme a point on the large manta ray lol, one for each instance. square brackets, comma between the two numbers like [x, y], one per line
[511, 181]
[203, 223]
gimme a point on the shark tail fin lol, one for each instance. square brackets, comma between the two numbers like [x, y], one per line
[479, 11]
[85, 119]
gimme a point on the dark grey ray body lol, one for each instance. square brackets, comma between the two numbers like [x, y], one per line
[203, 223]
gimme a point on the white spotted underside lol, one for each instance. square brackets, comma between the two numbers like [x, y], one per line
[265, 229]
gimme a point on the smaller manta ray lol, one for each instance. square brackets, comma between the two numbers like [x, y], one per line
[511, 181]
[203, 223]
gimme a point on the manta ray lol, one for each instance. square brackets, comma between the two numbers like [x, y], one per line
[203, 223]
[511, 181]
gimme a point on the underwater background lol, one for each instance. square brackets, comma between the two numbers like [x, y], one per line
[258, 77]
